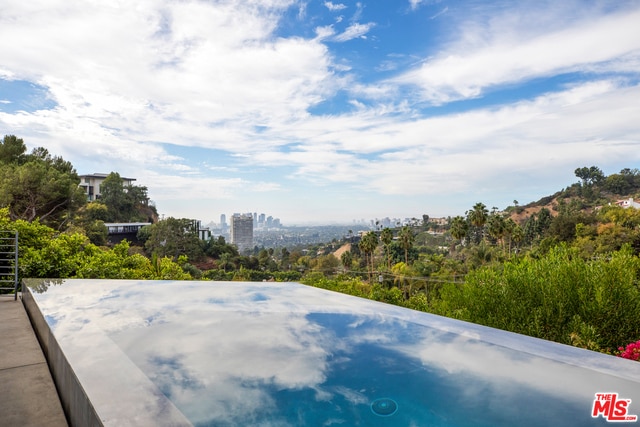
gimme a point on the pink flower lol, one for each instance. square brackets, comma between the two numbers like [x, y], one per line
[632, 351]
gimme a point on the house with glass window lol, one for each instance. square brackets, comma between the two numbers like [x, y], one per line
[91, 184]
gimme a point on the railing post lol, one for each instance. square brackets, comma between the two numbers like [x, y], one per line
[15, 268]
[8, 248]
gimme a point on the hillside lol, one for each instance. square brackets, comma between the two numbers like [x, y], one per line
[594, 190]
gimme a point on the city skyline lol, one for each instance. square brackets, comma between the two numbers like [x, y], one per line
[262, 220]
[327, 111]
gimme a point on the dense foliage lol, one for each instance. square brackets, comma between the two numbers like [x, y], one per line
[122, 203]
[47, 253]
[560, 297]
[37, 185]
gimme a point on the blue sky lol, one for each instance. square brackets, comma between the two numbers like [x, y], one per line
[317, 111]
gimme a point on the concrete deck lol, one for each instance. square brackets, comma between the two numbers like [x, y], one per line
[28, 396]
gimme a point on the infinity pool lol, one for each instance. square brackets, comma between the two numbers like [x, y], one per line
[283, 354]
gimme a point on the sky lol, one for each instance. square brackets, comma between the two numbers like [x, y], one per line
[326, 111]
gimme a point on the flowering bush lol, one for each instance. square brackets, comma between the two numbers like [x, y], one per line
[631, 352]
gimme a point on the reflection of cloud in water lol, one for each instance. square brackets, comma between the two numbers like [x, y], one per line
[352, 396]
[243, 354]
[238, 353]
[479, 367]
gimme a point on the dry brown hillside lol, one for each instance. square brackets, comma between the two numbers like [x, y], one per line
[342, 249]
[526, 212]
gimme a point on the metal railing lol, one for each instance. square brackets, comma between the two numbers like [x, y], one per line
[9, 262]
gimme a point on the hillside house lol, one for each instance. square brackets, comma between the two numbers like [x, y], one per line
[91, 184]
[628, 203]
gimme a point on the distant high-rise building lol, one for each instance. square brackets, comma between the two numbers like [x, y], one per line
[242, 231]
[223, 220]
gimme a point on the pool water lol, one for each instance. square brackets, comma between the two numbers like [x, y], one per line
[284, 354]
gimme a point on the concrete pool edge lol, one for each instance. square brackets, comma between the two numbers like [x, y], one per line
[75, 402]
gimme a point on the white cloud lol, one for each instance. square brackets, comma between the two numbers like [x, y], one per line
[334, 7]
[442, 12]
[168, 71]
[416, 4]
[471, 148]
[141, 87]
[502, 53]
[325, 32]
[356, 30]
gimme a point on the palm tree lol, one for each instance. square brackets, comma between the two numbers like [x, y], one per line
[459, 229]
[386, 236]
[407, 238]
[478, 218]
[497, 227]
[368, 245]
[225, 261]
[346, 258]
[516, 235]
[404, 276]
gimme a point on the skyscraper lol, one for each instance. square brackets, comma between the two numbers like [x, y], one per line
[242, 231]
[223, 224]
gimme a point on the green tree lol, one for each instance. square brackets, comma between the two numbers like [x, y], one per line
[44, 252]
[59, 257]
[114, 197]
[559, 297]
[40, 186]
[263, 257]
[128, 203]
[225, 261]
[326, 264]
[515, 233]
[629, 218]
[537, 226]
[347, 259]
[367, 246]
[590, 175]
[544, 221]
[425, 221]
[632, 176]
[173, 237]
[90, 218]
[119, 263]
[406, 239]
[386, 237]
[12, 150]
[477, 217]
[497, 226]
[284, 259]
[404, 277]
[459, 230]
[563, 226]
[617, 184]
